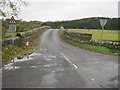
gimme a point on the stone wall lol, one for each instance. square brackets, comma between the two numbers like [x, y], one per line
[87, 38]
[109, 44]
[76, 36]
[23, 36]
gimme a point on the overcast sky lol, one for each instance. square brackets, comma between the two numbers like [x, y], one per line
[53, 10]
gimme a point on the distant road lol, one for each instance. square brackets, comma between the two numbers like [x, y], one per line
[56, 64]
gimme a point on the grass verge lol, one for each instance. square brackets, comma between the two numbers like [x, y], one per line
[100, 49]
[11, 51]
[9, 35]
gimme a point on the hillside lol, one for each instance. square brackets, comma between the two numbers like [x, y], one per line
[86, 23]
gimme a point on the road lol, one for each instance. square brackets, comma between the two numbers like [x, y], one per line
[56, 64]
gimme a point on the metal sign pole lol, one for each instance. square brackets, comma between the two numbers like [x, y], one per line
[13, 37]
[13, 44]
[102, 33]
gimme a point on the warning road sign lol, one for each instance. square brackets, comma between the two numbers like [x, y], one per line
[12, 21]
[12, 24]
[12, 27]
[103, 22]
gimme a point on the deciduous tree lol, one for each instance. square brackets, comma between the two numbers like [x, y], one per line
[10, 7]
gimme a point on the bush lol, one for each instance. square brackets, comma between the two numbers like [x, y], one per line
[19, 28]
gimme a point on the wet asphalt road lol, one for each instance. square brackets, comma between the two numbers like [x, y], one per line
[57, 64]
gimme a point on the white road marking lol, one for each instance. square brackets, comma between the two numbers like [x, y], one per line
[69, 60]
[75, 66]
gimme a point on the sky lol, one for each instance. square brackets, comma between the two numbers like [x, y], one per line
[58, 10]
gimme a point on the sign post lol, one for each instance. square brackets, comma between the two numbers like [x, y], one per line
[102, 23]
[12, 28]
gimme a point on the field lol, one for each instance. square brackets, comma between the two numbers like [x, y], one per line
[107, 34]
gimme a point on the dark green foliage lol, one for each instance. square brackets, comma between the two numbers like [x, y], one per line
[86, 23]
[4, 27]
[25, 26]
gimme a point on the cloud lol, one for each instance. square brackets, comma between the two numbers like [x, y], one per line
[67, 10]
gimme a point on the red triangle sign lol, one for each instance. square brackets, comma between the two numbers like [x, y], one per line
[12, 21]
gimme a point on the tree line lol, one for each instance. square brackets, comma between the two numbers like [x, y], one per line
[86, 23]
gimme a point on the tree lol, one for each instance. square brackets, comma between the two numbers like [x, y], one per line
[90, 23]
[10, 7]
[4, 27]
[19, 28]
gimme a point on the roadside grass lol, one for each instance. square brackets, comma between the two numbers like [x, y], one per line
[9, 35]
[100, 49]
[112, 35]
[11, 51]
[0, 57]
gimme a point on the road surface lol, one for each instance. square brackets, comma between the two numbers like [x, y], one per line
[56, 64]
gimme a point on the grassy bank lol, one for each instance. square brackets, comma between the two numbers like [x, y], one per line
[107, 34]
[9, 35]
[86, 46]
[11, 51]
